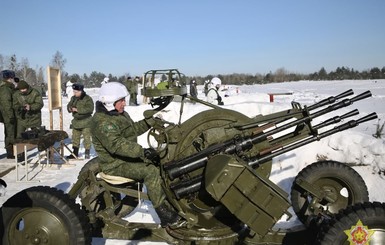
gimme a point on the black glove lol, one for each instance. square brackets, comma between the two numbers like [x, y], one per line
[152, 155]
[220, 102]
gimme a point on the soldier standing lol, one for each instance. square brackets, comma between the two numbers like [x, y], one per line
[132, 87]
[115, 140]
[69, 87]
[81, 106]
[213, 96]
[27, 104]
[7, 88]
[193, 89]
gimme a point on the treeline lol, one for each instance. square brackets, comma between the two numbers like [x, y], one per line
[35, 76]
[281, 75]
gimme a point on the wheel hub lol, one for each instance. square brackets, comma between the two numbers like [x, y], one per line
[37, 226]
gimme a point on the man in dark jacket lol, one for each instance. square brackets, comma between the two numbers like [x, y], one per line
[81, 106]
[27, 104]
[193, 89]
[7, 88]
[114, 135]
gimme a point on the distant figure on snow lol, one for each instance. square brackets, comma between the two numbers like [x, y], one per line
[69, 87]
[193, 89]
[105, 80]
[213, 96]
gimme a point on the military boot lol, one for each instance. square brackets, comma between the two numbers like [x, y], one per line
[87, 154]
[166, 215]
[9, 150]
[75, 153]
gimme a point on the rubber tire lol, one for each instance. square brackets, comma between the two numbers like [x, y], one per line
[43, 215]
[335, 172]
[372, 215]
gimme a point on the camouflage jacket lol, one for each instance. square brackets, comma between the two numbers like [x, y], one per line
[6, 96]
[114, 137]
[131, 85]
[31, 118]
[85, 106]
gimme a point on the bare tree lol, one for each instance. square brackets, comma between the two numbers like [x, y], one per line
[58, 61]
[280, 74]
[40, 74]
[24, 65]
[13, 63]
[1, 62]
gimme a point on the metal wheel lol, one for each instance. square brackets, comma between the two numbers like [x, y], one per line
[160, 136]
[341, 184]
[43, 215]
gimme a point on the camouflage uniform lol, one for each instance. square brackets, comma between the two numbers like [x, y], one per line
[31, 118]
[7, 90]
[114, 137]
[132, 87]
[81, 121]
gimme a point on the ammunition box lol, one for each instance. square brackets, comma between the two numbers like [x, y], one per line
[253, 199]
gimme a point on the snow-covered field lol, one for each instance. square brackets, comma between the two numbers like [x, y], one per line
[356, 146]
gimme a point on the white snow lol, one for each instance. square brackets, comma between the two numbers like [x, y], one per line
[355, 146]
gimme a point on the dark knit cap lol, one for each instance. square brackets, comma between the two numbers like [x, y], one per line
[22, 85]
[6, 74]
[78, 87]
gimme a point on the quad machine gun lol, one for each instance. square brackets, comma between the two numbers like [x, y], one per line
[215, 168]
[217, 164]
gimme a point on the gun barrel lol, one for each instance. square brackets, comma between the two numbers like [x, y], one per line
[330, 100]
[336, 119]
[185, 167]
[184, 188]
[362, 96]
[341, 104]
[350, 124]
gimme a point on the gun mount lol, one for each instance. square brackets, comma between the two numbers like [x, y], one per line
[215, 168]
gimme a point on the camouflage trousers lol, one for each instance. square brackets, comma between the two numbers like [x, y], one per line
[9, 134]
[77, 133]
[22, 126]
[133, 100]
[149, 174]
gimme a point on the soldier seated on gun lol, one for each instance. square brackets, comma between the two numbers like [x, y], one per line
[114, 135]
[27, 103]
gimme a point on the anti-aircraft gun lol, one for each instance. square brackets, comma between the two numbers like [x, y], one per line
[215, 168]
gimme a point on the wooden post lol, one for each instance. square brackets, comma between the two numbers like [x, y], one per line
[271, 95]
[55, 101]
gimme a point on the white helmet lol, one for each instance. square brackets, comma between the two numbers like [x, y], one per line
[105, 80]
[111, 92]
[69, 83]
[216, 81]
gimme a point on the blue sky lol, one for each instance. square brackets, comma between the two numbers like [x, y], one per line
[199, 37]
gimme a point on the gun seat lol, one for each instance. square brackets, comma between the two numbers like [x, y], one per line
[114, 180]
